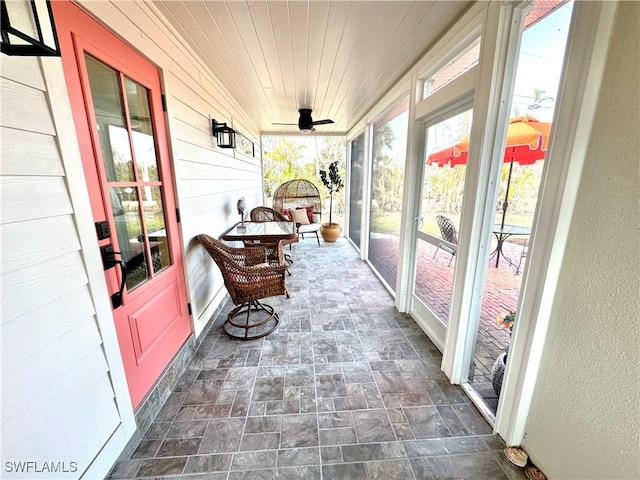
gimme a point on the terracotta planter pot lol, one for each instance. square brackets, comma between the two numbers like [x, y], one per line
[330, 231]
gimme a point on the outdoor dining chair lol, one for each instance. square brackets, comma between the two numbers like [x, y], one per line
[448, 234]
[248, 279]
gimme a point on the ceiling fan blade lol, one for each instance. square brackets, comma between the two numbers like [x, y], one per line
[326, 121]
[284, 124]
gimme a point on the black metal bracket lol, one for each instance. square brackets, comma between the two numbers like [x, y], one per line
[108, 256]
[103, 230]
[116, 300]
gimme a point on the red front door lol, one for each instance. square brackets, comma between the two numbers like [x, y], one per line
[117, 107]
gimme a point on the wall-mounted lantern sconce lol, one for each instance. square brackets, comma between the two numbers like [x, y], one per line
[27, 29]
[225, 136]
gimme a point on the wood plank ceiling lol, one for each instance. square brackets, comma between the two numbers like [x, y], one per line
[335, 57]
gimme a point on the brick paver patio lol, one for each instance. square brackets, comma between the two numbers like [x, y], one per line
[434, 285]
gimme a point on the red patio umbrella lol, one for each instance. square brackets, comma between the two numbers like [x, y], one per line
[526, 143]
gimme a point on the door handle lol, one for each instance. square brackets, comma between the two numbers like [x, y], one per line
[109, 260]
[116, 298]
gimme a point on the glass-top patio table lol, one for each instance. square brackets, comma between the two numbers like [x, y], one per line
[502, 232]
[262, 232]
[267, 234]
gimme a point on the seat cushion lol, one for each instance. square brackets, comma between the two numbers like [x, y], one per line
[313, 227]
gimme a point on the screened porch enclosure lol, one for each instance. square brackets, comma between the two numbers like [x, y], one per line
[370, 372]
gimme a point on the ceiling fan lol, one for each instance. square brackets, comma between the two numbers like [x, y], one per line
[305, 122]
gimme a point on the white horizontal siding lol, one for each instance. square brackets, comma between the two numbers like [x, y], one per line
[81, 425]
[16, 145]
[53, 355]
[58, 401]
[28, 198]
[26, 289]
[23, 70]
[37, 331]
[210, 181]
[31, 242]
[51, 369]
[30, 102]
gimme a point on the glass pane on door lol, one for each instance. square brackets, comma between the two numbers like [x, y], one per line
[110, 119]
[143, 140]
[156, 228]
[129, 157]
[126, 213]
[447, 143]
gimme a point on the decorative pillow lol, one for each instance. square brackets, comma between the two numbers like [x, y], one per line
[309, 210]
[300, 216]
[286, 213]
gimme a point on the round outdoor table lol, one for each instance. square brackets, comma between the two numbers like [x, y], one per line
[502, 232]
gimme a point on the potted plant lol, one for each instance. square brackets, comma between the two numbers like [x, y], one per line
[333, 182]
[506, 321]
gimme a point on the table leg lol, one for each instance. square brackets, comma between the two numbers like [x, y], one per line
[501, 252]
[495, 250]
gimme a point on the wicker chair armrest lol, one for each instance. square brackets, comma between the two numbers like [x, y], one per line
[249, 255]
[281, 244]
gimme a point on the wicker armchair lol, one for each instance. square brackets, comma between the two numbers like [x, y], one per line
[301, 193]
[248, 279]
[448, 233]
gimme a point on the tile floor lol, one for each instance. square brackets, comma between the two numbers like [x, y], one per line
[346, 388]
[434, 286]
